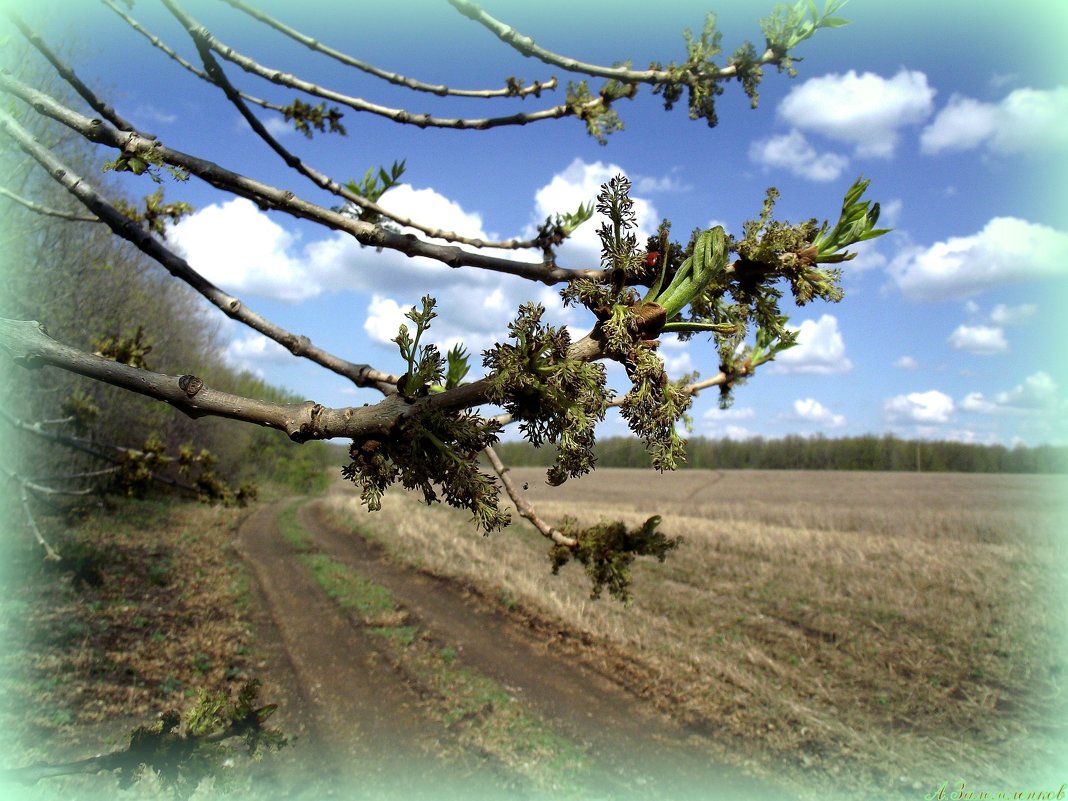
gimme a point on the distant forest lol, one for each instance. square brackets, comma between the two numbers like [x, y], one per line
[818, 453]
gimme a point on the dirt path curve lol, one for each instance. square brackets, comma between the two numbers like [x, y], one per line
[357, 714]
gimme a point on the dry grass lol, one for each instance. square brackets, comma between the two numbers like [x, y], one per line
[887, 631]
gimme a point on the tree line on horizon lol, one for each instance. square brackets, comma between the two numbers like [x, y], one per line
[794, 452]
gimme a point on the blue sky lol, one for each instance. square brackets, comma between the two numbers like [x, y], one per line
[950, 327]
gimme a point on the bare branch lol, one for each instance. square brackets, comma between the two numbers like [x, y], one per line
[45, 210]
[161, 45]
[527, 46]
[402, 116]
[216, 75]
[65, 72]
[30, 346]
[262, 194]
[298, 345]
[392, 77]
[50, 553]
[522, 505]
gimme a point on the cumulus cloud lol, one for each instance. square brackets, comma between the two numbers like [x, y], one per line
[1037, 393]
[578, 183]
[794, 153]
[866, 111]
[673, 182]
[982, 340]
[928, 407]
[820, 349]
[906, 363]
[384, 319]
[718, 422]
[809, 410]
[1025, 121]
[1007, 250]
[244, 250]
[241, 249]
[247, 251]
[252, 351]
[717, 415]
[1013, 315]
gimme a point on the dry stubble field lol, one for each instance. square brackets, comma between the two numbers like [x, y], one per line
[881, 633]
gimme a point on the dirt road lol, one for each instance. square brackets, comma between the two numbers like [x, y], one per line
[366, 729]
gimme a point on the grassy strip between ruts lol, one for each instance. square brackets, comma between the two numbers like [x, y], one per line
[477, 712]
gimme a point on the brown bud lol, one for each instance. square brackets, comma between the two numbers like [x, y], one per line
[651, 318]
[190, 385]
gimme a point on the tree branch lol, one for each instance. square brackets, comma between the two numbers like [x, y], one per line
[161, 45]
[216, 75]
[527, 46]
[400, 80]
[265, 195]
[45, 210]
[402, 116]
[65, 72]
[30, 346]
[298, 345]
[522, 505]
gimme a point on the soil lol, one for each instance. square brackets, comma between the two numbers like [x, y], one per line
[361, 724]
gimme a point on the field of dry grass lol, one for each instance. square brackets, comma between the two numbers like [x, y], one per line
[866, 632]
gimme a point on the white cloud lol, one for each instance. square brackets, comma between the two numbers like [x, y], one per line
[868, 258]
[716, 422]
[920, 407]
[1012, 315]
[673, 182]
[812, 411]
[717, 415]
[677, 364]
[906, 363]
[820, 349]
[982, 340]
[241, 249]
[247, 251]
[1037, 393]
[1007, 250]
[793, 152]
[278, 127]
[253, 350]
[580, 182]
[156, 115]
[864, 110]
[736, 433]
[384, 318]
[1025, 121]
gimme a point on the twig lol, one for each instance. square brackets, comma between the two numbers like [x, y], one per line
[298, 345]
[50, 553]
[161, 45]
[262, 194]
[402, 116]
[522, 505]
[218, 77]
[45, 210]
[527, 46]
[392, 77]
[65, 72]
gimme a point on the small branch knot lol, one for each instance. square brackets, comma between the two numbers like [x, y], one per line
[190, 385]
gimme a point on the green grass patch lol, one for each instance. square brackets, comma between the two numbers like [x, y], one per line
[402, 635]
[291, 530]
[348, 588]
